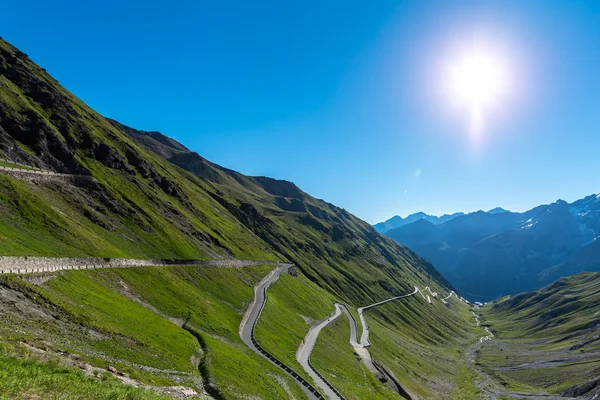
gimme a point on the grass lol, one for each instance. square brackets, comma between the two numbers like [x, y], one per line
[137, 328]
[128, 308]
[28, 379]
[544, 339]
[334, 358]
[291, 302]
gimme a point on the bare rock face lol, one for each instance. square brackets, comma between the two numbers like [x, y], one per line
[583, 389]
[292, 271]
[112, 369]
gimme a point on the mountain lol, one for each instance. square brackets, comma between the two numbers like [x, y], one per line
[127, 193]
[141, 204]
[397, 221]
[551, 332]
[490, 254]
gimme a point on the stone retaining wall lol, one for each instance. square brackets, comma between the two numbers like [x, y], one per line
[28, 265]
[22, 165]
[43, 175]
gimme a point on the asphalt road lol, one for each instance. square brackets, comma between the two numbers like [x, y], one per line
[364, 337]
[306, 348]
[249, 322]
[353, 327]
[303, 355]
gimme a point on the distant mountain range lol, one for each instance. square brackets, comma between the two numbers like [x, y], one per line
[486, 255]
[398, 221]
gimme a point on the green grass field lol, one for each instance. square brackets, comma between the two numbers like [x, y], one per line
[28, 379]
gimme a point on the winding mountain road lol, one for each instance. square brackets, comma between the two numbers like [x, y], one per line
[359, 349]
[364, 337]
[249, 322]
[450, 295]
[306, 347]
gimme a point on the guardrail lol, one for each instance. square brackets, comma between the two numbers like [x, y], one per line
[325, 380]
[278, 363]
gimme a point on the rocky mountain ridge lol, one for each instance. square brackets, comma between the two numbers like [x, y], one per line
[487, 255]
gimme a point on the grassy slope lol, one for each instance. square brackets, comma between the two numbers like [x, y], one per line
[141, 205]
[144, 206]
[545, 339]
[335, 359]
[28, 379]
[129, 334]
[281, 327]
[422, 344]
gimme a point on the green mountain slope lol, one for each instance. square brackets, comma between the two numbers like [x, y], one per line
[547, 340]
[142, 205]
[147, 196]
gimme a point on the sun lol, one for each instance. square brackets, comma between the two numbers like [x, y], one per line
[478, 78]
[478, 83]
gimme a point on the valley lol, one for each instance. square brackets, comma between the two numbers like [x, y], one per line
[547, 340]
[133, 268]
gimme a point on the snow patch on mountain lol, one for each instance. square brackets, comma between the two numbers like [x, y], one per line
[528, 224]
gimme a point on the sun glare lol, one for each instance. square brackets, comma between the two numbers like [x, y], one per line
[478, 79]
[477, 83]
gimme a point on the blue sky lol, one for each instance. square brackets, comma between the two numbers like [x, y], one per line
[342, 98]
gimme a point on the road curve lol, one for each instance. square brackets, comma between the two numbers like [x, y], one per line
[303, 355]
[360, 349]
[450, 295]
[377, 369]
[249, 322]
[353, 327]
[364, 337]
[362, 352]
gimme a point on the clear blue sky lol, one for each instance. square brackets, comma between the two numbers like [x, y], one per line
[340, 97]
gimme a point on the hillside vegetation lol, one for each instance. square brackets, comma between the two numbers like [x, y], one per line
[547, 340]
[164, 329]
[164, 332]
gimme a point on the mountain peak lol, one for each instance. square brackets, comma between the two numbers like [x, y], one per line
[397, 221]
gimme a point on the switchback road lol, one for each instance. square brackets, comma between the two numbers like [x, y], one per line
[249, 322]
